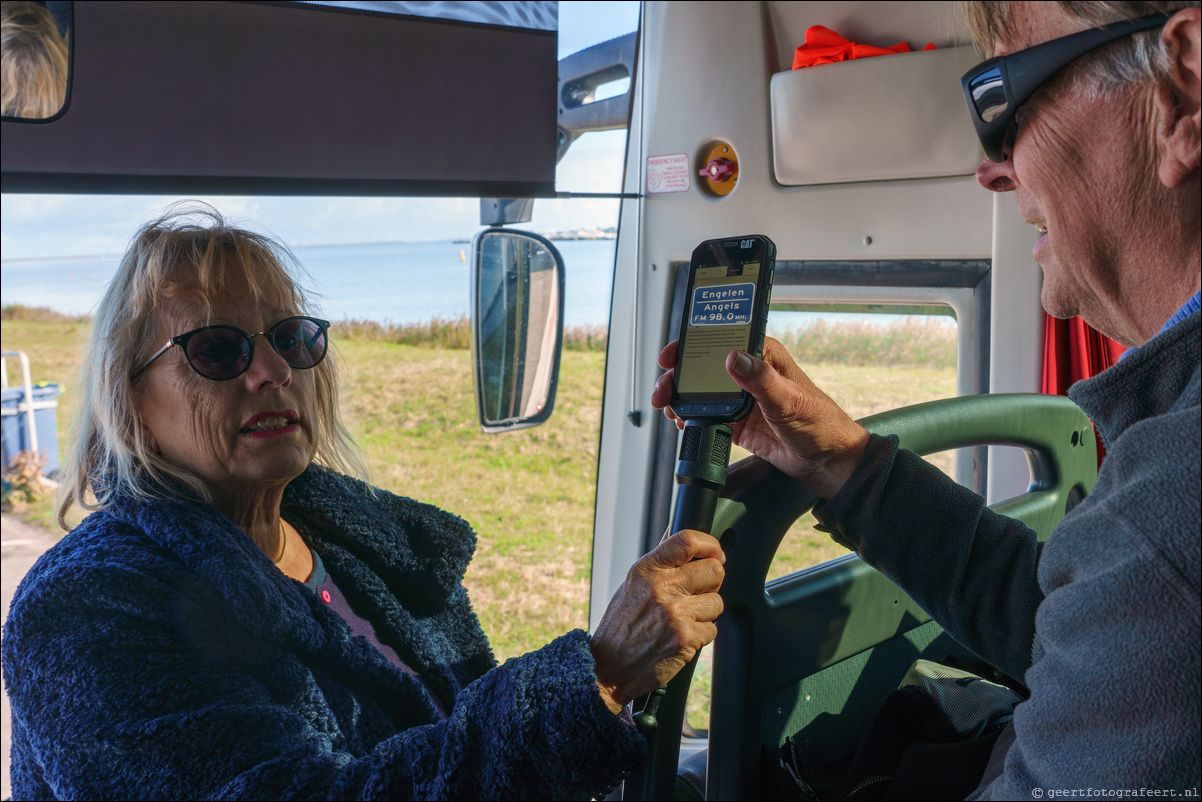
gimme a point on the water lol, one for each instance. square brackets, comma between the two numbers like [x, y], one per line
[398, 282]
[71, 286]
[401, 282]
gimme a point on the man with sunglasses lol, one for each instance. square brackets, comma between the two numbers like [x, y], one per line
[1089, 114]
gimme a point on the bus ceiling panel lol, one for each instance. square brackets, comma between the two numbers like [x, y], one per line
[286, 98]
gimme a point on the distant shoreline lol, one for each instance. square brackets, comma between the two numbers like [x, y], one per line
[554, 236]
[60, 258]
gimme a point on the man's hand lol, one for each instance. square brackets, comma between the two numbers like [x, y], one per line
[794, 425]
[663, 613]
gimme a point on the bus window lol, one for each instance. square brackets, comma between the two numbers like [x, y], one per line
[869, 358]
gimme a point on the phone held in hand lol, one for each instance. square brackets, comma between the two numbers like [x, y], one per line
[726, 309]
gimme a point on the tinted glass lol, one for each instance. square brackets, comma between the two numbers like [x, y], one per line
[219, 353]
[301, 342]
[988, 95]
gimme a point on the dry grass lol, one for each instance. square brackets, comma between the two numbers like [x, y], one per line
[919, 342]
[586, 338]
[54, 346]
[453, 333]
[529, 494]
[38, 314]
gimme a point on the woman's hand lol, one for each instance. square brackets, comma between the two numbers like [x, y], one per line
[663, 613]
[794, 425]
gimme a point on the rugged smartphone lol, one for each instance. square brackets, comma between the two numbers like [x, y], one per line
[726, 309]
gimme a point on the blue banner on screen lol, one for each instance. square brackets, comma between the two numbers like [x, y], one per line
[723, 305]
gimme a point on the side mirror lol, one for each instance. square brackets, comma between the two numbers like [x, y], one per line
[37, 60]
[517, 328]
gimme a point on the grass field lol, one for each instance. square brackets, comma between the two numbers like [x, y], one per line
[529, 494]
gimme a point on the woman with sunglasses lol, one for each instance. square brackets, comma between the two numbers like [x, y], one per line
[239, 617]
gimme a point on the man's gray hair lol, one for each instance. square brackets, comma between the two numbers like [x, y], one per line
[1138, 58]
[189, 254]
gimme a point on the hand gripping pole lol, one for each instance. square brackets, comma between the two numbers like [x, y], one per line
[700, 477]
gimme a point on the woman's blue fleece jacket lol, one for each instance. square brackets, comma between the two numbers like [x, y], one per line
[156, 653]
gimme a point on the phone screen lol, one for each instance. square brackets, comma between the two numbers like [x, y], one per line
[720, 314]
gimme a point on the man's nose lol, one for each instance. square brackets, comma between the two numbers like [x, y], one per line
[997, 176]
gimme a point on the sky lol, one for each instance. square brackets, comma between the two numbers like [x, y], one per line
[41, 226]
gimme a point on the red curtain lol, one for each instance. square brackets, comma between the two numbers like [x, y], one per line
[1073, 351]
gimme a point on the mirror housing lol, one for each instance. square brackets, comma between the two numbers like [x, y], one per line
[517, 328]
[37, 59]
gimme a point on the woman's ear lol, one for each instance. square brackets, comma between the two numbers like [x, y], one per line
[1179, 102]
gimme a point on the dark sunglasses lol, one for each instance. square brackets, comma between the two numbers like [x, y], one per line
[996, 88]
[222, 353]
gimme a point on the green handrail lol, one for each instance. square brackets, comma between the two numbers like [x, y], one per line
[1056, 433]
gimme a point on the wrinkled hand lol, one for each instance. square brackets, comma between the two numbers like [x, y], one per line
[794, 425]
[663, 613]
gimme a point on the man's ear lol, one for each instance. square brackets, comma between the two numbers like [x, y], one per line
[1179, 103]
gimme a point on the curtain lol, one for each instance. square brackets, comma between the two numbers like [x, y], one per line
[1073, 351]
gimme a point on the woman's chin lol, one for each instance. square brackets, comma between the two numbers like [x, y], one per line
[281, 464]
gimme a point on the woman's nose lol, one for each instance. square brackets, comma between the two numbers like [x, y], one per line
[267, 368]
[997, 176]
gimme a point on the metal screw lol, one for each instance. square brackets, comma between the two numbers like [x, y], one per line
[868, 240]
[652, 268]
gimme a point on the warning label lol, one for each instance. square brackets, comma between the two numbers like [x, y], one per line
[668, 173]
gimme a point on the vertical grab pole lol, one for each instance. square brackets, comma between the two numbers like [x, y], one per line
[700, 476]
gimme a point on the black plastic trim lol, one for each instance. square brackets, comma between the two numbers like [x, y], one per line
[91, 184]
[891, 273]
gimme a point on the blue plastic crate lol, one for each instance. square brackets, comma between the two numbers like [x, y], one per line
[14, 425]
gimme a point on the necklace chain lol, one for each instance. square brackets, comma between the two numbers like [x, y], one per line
[283, 542]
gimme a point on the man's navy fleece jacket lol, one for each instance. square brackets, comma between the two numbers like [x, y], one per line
[156, 653]
[1102, 621]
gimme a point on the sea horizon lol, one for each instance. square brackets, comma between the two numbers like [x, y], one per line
[388, 283]
[382, 282]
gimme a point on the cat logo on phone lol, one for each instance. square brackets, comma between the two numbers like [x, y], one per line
[745, 244]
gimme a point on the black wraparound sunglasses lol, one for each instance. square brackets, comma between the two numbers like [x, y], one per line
[996, 88]
[222, 353]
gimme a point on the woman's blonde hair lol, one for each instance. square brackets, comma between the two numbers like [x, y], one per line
[191, 253]
[33, 62]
